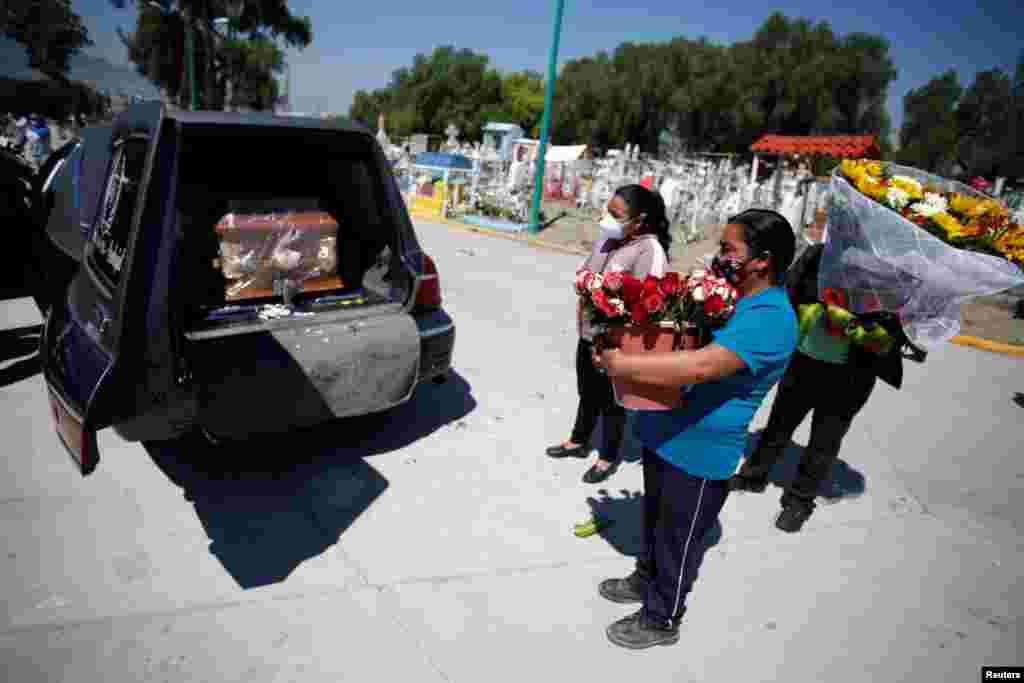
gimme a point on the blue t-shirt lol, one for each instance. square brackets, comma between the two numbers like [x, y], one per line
[706, 436]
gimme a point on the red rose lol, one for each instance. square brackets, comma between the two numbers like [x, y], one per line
[613, 281]
[834, 297]
[651, 285]
[714, 305]
[638, 312]
[600, 300]
[671, 284]
[632, 288]
[653, 303]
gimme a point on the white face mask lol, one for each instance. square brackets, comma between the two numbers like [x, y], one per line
[611, 228]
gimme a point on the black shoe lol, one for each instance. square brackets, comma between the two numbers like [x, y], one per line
[561, 451]
[636, 633]
[831, 494]
[740, 482]
[596, 476]
[792, 517]
[627, 590]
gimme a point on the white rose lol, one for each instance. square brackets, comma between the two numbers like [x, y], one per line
[897, 197]
[618, 305]
[597, 282]
[932, 204]
[698, 294]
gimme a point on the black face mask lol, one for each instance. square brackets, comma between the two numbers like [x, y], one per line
[728, 268]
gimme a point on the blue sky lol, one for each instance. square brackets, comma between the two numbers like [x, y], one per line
[358, 45]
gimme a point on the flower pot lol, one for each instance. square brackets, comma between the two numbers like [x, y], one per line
[655, 337]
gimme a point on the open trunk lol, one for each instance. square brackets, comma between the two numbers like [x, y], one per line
[288, 278]
[278, 225]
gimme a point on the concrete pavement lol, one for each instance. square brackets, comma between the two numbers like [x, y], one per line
[435, 543]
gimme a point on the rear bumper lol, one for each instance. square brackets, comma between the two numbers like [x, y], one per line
[437, 343]
[260, 383]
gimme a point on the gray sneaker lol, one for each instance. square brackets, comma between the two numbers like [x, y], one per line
[623, 591]
[636, 633]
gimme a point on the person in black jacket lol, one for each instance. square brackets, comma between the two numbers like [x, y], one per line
[826, 375]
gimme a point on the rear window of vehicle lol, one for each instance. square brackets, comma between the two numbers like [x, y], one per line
[113, 226]
[266, 214]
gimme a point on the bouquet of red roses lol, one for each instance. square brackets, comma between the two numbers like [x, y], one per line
[709, 301]
[622, 299]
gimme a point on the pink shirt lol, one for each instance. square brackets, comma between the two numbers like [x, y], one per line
[641, 257]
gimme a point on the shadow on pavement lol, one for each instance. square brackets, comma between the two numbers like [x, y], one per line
[1018, 398]
[17, 343]
[846, 482]
[626, 513]
[271, 503]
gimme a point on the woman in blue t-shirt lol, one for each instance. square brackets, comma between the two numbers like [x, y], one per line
[689, 453]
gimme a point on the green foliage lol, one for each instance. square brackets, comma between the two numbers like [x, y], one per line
[50, 31]
[249, 57]
[792, 77]
[929, 134]
[979, 128]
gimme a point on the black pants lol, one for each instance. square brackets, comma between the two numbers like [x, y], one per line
[835, 393]
[596, 399]
[679, 508]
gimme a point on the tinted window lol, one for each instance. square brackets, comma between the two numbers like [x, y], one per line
[113, 226]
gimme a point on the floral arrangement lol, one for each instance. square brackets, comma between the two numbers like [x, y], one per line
[621, 299]
[963, 221]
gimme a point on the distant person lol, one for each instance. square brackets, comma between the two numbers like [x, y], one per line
[690, 452]
[21, 131]
[634, 238]
[829, 376]
[42, 146]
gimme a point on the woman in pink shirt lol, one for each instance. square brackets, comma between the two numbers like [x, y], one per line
[634, 238]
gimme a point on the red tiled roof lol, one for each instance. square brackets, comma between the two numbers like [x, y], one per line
[840, 146]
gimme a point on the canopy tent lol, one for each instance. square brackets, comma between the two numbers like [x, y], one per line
[562, 153]
[839, 146]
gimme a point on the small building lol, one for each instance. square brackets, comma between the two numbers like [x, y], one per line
[501, 137]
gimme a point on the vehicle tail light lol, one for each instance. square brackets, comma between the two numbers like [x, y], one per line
[428, 296]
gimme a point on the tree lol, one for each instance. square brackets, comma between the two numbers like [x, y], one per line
[449, 86]
[984, 117]
[156, 47]
[792, 77]
[928, 137]
[50, 31]
[522, 95]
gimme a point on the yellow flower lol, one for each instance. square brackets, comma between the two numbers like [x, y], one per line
[911, 188]
[952, 226]
[873, 168]
[871, 187]
[963, 203]
[850, 169]
[1011, 245]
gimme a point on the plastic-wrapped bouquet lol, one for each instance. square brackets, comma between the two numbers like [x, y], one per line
[908, 247]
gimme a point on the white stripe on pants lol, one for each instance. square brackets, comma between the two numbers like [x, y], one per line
[686, 546]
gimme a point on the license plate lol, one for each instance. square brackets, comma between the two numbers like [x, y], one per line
[71, 432]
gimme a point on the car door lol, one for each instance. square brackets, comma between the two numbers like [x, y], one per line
[74, 190]
[84, 328]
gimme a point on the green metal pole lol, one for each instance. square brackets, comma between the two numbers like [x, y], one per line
[549, 95]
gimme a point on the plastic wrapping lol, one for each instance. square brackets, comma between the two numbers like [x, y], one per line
[278, 254]
[876, 260]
